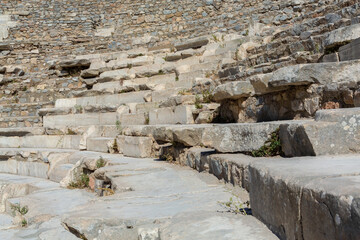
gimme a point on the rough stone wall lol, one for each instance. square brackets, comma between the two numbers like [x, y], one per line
[115, 24]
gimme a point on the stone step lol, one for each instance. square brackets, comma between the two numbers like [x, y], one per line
[156, 82]
[103, 100]
[86, 119]
[284, 190]
[21, 131]
[99, 144]
[44, 163]
[225, 138]
[311, 189]
[156, 185]
[22, 109]
[334, 132]
[41, 141]
[27, 121]
[139, 147]
[347, 115]
[302, 74]
[134, 119]
[172, 115]
[341, 36]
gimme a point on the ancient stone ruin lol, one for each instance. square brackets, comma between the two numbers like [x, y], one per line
[191, 120]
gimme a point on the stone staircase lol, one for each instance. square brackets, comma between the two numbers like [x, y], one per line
[222, 104]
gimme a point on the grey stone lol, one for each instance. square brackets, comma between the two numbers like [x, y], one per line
[233, 90]
[310, 138]
[74, 63]
[342, 35]
[242, 137]
[285, 191]
[194, 43]
[350, 51]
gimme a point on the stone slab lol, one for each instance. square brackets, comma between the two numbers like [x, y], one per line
[308, 197]
[172, 115]
[350, 51]
[342, 35]
[41, 141]
[102, 100]
[99, 144]
[75, 120]
[140, 147]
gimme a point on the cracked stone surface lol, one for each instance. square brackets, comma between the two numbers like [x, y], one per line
[154, 200]
[302, 192]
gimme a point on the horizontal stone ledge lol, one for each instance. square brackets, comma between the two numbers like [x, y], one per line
[342, 36]
[344, 73]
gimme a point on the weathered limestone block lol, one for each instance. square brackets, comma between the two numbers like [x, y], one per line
[233, 90]
[309, 138]
[74, 120]
[196, 157]
[54, 111]
[114, 75]
[243, 137]
[133, 119]
[102, 100]
[193, 43]
[350, 51]
[90, 73]
[343, 73]
[292, 196]
[99, 144]
[74, 63]
[172, 115]
[342, 35]
[140, 147]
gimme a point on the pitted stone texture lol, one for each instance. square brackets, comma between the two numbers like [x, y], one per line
[334, 132]
[244, 137]
[342, 35]
[292, 196]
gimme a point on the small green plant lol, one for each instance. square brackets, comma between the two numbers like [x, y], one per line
[118, 125]
[234, 205]
[81, 182]
[215, 38]
[17, 208]
[100, 162]
[176, 78]
[147, 120]
[70, 132]
[185, 92]
[167, 157]
[272, 147]
[24, 223]
[115, 146]
[207, 96]
[129, 65]
[198, 104]
[78, 108]
[161, 72]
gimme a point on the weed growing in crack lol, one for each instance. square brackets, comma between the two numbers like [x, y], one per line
[17, 208]
[167, 157]
[24, 223]
[100, 163]
[81, 182]
[234, 205]
[272, 147]
[207, 96]
[198, 104]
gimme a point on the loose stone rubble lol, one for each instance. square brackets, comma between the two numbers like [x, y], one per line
[155, 120]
